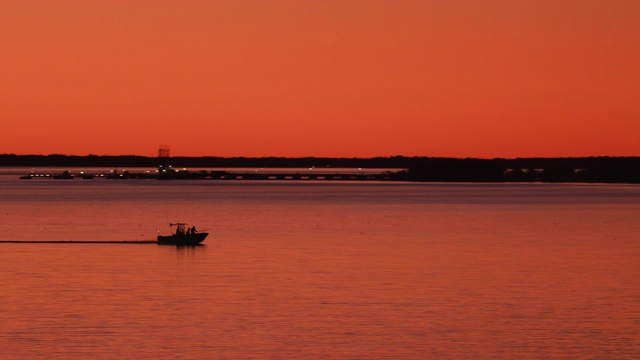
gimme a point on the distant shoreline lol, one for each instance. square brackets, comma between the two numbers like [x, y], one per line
[425, 169]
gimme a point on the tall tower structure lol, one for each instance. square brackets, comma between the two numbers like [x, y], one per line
[163, 151]
[163, 157]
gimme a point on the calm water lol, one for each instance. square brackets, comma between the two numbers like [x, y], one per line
[320, 270]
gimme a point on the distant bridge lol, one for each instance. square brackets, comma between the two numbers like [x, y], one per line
[172, 174]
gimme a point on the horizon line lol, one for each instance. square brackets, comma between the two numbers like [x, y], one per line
[333, 157]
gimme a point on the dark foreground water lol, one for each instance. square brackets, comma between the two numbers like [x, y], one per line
[320, 270]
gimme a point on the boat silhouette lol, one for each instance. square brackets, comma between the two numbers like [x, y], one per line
[181, 234]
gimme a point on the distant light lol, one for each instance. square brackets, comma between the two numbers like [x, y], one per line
[81, 172]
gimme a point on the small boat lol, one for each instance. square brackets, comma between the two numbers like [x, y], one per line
[181, 234]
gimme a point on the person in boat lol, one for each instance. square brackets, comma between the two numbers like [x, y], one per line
[193, 229]
[179, 230]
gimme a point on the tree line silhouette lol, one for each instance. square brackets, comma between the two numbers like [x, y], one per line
[426, 169]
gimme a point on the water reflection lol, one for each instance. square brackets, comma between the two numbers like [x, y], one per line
[316, 271]
[186, 252]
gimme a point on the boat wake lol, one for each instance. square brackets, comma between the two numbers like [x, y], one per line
[78, 242]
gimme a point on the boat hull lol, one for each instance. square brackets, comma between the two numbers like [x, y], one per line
[182, 239]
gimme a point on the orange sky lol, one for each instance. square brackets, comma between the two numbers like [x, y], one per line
[345, 78]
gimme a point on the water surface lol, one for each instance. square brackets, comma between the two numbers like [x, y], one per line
[320, 270]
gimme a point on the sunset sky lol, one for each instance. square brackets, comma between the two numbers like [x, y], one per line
[343, 78]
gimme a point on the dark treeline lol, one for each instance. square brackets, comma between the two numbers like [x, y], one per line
[587, 169]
